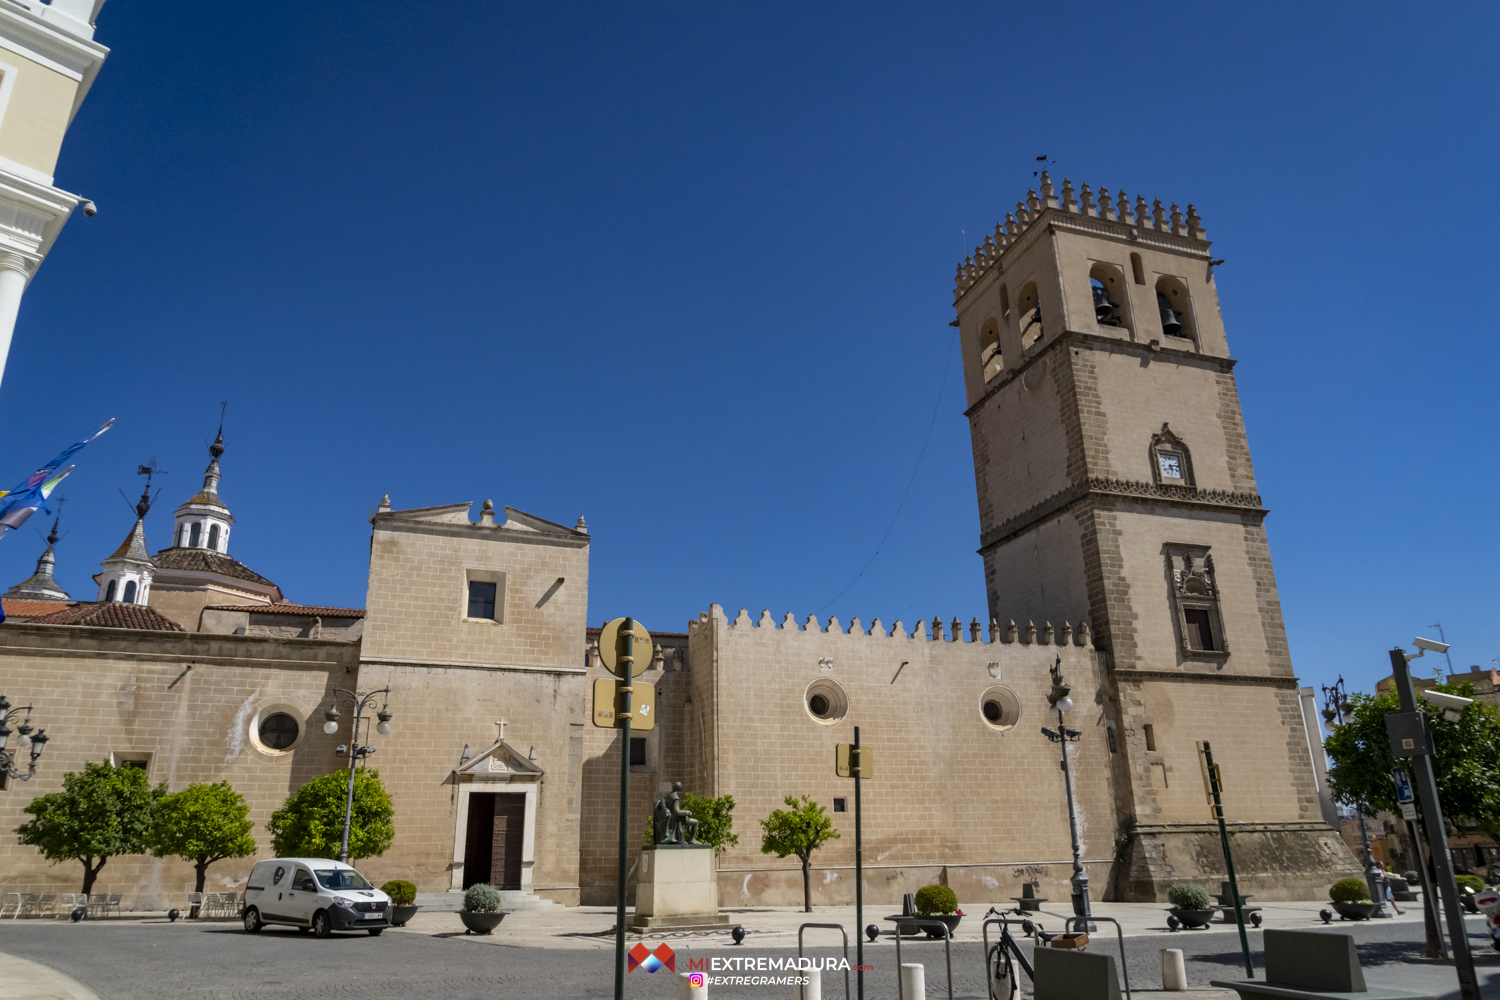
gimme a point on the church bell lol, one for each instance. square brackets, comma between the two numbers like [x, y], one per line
[1170, 324]
[1103, 308]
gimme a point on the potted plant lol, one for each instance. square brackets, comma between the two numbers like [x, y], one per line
[481, 913]
[1469, 887]
[1351, 898]
[1190, 904]
[937, 902]
[403, 901]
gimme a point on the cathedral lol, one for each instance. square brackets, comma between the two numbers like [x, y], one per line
[1123, 541]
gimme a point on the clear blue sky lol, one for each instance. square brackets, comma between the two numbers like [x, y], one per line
[686, 269]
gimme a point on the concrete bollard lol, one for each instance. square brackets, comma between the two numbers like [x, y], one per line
[1173, 973]
[687, 991]
[814, 988]
[913, 981]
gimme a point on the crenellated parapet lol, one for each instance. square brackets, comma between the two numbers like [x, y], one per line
[934, 631]
[1111, 212]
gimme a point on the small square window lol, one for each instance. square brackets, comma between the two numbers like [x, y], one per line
[638, 751]
[1171, 465]
[481, 599]
[840, 805]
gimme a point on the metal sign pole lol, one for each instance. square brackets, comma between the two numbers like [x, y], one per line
[859, 873]
[627, 670]
[1432, 818]
[1211, 773]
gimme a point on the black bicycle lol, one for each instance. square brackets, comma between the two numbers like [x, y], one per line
[1005, 957]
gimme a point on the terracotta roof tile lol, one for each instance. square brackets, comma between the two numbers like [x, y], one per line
[31, 609]
[306, 610]
[206, 561]
[111, 614]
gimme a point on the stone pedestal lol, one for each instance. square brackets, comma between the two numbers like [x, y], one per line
[677, 889]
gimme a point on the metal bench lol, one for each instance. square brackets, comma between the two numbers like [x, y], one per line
[1312, 964]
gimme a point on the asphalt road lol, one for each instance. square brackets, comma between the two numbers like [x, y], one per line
[147, 961]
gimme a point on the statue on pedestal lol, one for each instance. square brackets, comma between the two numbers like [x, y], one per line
[672, 824]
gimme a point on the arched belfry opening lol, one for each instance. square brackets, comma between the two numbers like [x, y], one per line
[989, 349]
[1107, 284]
[1029, 309]
[1175, 308]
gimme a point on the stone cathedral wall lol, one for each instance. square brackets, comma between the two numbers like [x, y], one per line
[953, 799]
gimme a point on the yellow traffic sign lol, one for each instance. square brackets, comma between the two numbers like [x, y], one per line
[865, 762]
[608, 698]
[611, 648]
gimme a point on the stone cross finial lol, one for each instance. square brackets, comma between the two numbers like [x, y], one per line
[502, 723]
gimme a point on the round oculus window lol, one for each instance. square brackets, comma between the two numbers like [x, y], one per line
[1000, 708]
[825, 701]
[278, 731]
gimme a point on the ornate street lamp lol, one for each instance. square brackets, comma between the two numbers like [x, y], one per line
[353, 748]
[1336, 709]
[34, 743]
[1059, 702]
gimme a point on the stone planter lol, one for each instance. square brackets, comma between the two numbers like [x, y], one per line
[951, 919]
[401, 914]
[1355, 911]
[480, 923]
[1192, 919]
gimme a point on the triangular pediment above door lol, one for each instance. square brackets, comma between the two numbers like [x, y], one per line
[501, 762]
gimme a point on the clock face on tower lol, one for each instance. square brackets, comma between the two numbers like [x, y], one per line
[1171, 466]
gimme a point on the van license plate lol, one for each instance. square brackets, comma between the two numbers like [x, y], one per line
[371, 916]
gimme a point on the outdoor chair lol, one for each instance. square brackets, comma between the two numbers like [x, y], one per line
[47, 905]
[65, 904]
[11, 899]
[211, 904]
[113, 903]
[195, 903]
[230, 904]
[29, 904]
[1310, 964]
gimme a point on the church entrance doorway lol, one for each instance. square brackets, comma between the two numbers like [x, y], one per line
[492, 850]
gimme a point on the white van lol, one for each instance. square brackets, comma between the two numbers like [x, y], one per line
[314, 894]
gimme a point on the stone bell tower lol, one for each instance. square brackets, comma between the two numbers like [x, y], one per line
[1115, 484]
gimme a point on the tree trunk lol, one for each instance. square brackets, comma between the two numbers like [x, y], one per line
[91, 872]
[202, 869]
[807, 883]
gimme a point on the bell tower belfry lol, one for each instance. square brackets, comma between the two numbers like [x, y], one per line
[1115, 484]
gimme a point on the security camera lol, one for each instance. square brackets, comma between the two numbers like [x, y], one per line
[1428, 646]
[90, 209]
[1451, 704]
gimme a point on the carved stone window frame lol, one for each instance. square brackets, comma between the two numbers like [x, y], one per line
[1167, 443]
[1195, 587]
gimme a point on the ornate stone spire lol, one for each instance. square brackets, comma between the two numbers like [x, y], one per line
[204, 521]
[42, 586]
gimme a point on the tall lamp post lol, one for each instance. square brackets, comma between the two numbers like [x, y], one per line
[1059, 702]
[35, 743]
[1336, 709]
[356, 752]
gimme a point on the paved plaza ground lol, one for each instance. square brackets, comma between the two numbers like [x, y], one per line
[567, 953]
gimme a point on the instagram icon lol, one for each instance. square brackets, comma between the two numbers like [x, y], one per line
[696, 980]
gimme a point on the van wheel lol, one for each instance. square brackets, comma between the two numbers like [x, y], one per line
[321, 926]
[252, 921]
[375, 931]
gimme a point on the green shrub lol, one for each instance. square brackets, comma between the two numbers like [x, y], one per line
[1412, 878]
[1470, 882]
[401, 893]
[482, 898]
[1349, 890]
[1188, 896]
[934, 899]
